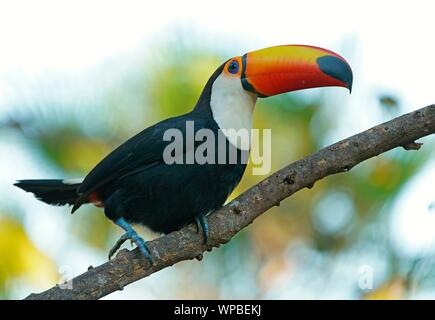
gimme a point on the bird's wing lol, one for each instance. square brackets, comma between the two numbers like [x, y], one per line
[140, 152]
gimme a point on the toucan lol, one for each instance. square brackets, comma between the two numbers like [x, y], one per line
[135, 185]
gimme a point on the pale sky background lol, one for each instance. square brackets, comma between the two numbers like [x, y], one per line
[391, 45]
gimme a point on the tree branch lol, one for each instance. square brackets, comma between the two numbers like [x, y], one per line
[185, 244]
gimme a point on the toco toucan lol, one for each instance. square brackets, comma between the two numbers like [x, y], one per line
[134, 183]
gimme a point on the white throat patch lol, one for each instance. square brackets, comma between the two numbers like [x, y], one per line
[232, 108]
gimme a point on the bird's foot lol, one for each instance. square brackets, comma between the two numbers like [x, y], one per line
[201, 223]
[141, 244]
[133, 236]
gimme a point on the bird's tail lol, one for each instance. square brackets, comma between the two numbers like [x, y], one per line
[55, 192]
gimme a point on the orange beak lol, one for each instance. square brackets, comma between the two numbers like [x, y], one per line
[280, 69]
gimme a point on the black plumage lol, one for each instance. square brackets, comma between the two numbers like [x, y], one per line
[52, 191]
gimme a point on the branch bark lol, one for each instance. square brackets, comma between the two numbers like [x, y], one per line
[185, 244]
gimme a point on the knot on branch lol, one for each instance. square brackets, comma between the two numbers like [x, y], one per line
[412, 145]
[290, 178]
[235, 207]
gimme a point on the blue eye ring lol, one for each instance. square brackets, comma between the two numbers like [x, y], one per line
[233, 67]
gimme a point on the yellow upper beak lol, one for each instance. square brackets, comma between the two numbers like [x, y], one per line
[280, 69]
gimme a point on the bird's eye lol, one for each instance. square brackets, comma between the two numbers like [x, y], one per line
[233, 67]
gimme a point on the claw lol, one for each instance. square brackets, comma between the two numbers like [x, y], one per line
[140, 243]
[133, 236]
[201, 221]
[118, 245]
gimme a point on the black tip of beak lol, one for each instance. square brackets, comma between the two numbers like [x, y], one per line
[336, 68]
